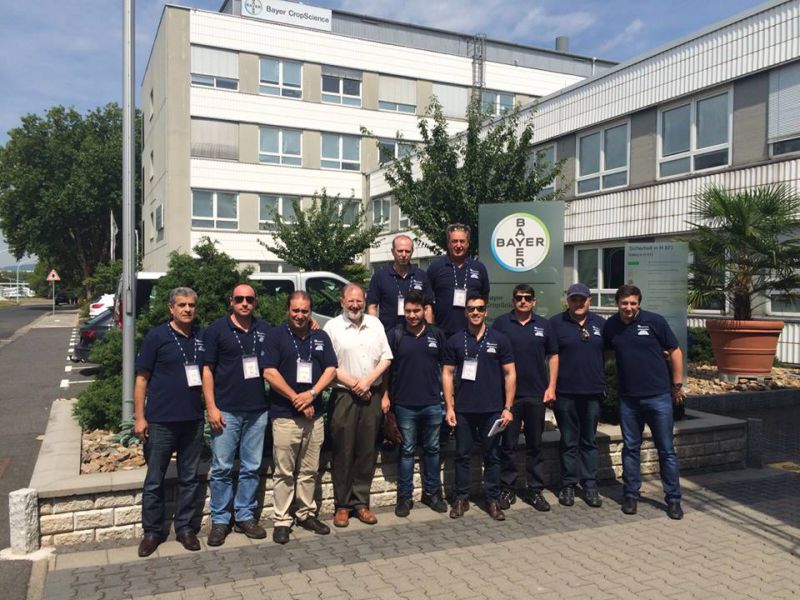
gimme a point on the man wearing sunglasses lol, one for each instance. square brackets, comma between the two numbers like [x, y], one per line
[236, 407]
[537, 370]
[482, 362]
[579, 392]
[453, 277]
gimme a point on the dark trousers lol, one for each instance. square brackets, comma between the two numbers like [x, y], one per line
[354, 431]
[185, 437]
[472, 428]
[577, 416]
[529, 411]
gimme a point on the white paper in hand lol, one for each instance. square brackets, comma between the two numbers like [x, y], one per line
[496, 428]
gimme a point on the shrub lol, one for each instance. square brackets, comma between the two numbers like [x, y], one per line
[699, 343]
[99, 405]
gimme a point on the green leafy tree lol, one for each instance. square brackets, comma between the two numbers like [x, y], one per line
[104, 280]
[446, 180]
[60, 178]
[321, 239]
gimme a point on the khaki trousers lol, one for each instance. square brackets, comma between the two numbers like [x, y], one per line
[296, 446]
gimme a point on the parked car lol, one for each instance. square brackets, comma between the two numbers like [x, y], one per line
[92, 330]
[103, 303]
[65, 298]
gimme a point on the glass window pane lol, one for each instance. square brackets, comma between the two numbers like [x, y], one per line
[506, 101]
[590, 154]
[202, 223]
[407, 108]
[269, 140]
[613, 267]
[291, 160]
[386, 150]
[268, 204]
[351, 87]
[202, 79]
[404, 149]
[710, 160]
[784, 303]
[292, 74]
[331, 98]
[712, 121]
[675, 130]
[607, 300]
[674, 167]
[615, 179]
[227, 84]
[270, 70]
[547, 156]
[227, 224]
[202, 204]
[291, 93]
[291, 142]
[351, 166]
[488, 101]
[350, 212]
[589, 185]
[226, 205]
[272, 90]
[587, 267]
[330, 84]
[330, 164]
[786, 146]
[383, 105]
[616, 147]
[330, 145]
[288, 210]
[351, 101]
[350, 146]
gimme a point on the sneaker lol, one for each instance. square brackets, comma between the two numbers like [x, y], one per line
[507, 498]
[218, 533]
[536, 499]
[629, 505]
[674, 510]
[566, 497]
[403, 507]
[435, 501]
[251, 529]
[592, 498]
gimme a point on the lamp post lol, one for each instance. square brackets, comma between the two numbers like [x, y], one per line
[18, 266]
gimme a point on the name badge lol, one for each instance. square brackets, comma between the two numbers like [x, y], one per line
[401, 306]
[250, 367]
[470, 369]
[460, 297]
[193, 378]
[304, 371]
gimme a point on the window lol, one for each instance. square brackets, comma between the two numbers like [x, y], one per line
[783, 110]
[496, 103]
[280, 146]
[215, 68]
[781, 303]
[215, 210]
[280, 78]
[603, 159]
[150, 166]
[349, 209]
[150, 106]
[694, 136]
[404, 222]
[543, 159]
[380, 212]
[389, 150]
[603, 270]
[341, 86]
[215, 139]
[397, 94]
[158, 222]
[269, 205]
[325, 293]
[273, 287]
[454, 99]
[341, 152]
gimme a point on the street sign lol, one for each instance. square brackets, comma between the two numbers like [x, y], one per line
[53, 276]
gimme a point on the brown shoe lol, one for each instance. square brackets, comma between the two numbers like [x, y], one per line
[366, 517]
[149, 544]
[342, 517]
[460, 506]
[251, 529]
[189, 541]
[494, 510]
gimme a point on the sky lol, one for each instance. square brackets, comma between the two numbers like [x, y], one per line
[70, 52]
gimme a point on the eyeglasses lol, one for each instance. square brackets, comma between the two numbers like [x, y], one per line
[525, 297]
[480, 309]
[585, 335]
[241, 299]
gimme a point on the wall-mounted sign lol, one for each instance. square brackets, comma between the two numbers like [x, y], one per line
[288, 13]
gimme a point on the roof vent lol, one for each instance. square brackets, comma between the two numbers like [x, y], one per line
[562, 44]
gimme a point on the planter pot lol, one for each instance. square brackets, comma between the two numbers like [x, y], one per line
[744, 347]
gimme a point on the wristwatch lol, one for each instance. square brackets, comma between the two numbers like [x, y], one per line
[508, 409]
[313, 393]
[677, 386]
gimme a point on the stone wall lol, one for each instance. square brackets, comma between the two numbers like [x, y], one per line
[112, 512]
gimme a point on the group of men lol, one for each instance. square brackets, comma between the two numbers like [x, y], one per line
[416, 344]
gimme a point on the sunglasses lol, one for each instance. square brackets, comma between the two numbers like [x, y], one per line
[585, 335]
[480, 309]
[521, 297]
[241, 299]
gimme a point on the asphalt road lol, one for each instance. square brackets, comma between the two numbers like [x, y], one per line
[13, 317]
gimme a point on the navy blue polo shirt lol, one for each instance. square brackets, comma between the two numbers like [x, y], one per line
[163, 356]
[416, 366]
[486, 393]
[387, 284]
[642, 370]
[283, 351]
[532, 343]
[445, 277]
[581, 369]
[226, 344]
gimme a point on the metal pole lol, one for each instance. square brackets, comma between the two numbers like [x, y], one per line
[128, 298]
[52, 293]
[18, 264]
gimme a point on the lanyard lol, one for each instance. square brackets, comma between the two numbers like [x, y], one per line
[411, 281]
[296, 348]
[177, 343]
[480, 346]
[236, 335]
[465, 268]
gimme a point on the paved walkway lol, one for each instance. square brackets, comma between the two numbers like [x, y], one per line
[740, 539]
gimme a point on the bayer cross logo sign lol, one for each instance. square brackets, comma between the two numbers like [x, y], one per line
[252, 6]
[520, 242]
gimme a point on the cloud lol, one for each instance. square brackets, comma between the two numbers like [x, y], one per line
[631, 36]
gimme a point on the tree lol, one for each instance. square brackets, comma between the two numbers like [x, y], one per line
[104, 280]
[60, 178]
[446, 180]
[321, 239]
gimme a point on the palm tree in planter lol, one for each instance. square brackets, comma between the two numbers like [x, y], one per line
[745, 246]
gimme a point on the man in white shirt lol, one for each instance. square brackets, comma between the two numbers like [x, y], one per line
[363, 354]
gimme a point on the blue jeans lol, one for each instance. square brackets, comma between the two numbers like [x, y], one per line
[656, 411]
[409, 420]
[185, 437]
[471, 428]
[244, 430]
[577, 416]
